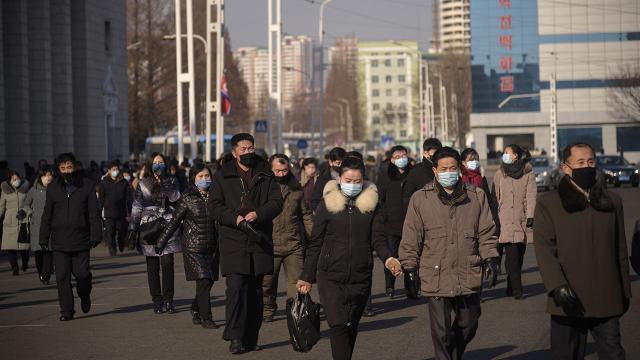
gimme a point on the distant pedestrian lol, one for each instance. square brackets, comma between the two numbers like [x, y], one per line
[330, 172]
[308, 178]
[114, 194]
[34, 207]
[471, 172]
[71, 223]
[514, 190]
[422, 173]
[199, 242]
[582, 253]
[155, 196]
[448, 236]
[12, 198]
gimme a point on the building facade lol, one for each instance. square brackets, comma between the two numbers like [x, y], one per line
[451, 26]
[297, 64]
[253, 63]
[517, 46]
[63, 80]
[388, 83]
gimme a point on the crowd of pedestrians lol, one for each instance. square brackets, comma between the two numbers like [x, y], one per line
[437, 223]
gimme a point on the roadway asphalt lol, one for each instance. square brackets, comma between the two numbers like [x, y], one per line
[121, 324]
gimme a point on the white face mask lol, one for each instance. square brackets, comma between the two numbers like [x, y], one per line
[473, 164]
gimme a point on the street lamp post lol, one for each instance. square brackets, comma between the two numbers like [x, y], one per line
[275, 89]
[321, 73]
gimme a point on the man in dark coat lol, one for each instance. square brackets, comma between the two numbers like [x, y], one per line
[71, 219]
[244, 200]
[580, 244]
[390, 182]
[336, 155]
[114, 196]
[422, 174]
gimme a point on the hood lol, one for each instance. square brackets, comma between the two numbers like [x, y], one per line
[8, 189]
[336, 202]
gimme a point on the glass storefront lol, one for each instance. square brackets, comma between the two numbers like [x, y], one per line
[628, 138]
[591, 136]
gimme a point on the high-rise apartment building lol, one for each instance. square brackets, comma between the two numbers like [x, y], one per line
[451, 26]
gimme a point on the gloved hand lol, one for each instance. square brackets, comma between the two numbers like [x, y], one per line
[158, 250]
[565, 297]
[413, 290]
[491, 269]
[21, 215]
[246, 227]
[529, 222]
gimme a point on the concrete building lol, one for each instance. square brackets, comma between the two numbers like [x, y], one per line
[253, 63]
[518, 45]
[297, 63]
[388, 82]
[63, 80]
[451, 26]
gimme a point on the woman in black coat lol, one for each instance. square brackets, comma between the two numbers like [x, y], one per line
[199, 242]
[346, 227]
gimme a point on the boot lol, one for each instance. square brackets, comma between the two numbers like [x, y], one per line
[195, 317]
[209, 324]
[168, 307]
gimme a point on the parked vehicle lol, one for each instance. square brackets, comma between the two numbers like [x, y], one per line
[618, 170]
[547, 173]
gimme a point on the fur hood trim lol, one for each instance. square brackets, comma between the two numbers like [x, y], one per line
[8, 189]
[336, 201]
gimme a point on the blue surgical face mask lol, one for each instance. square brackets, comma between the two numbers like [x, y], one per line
[351, 190]
[506, 158]
[203, 183]
[473, 164]
[448, 179]
[16, 183]
[115, 173]
[127, 177]
[402, 162]
[157, 167]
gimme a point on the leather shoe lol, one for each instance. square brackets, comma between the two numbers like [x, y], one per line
[195, 317]
[158, 309]
[209, 324]
[236, 347]
[168, 307]
[253, 347]
[85, 304]
[389, 293]
[368, 312]
[66, 317]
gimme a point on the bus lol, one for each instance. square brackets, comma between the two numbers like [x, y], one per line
[168, 144]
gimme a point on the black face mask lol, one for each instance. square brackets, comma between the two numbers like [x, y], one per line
[67, 177]
[248, 159]
[282, 179]
[584, 177]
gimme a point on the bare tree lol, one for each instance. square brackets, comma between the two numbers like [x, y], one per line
[623, 93]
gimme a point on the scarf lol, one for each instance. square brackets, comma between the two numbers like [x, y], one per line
[472, 177]
[515, 170]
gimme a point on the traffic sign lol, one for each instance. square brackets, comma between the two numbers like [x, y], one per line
[261, 126]
[303, 144]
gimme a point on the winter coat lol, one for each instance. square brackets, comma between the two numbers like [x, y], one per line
[390, 182]
[516, 201]
[199, 237]
[308, 185]
[34, 207]
[236, 246]
[447, 239]
[318, 189]
[71, 217]
[345, 231]
[582, 243]
[147, 204]
[295, 216]
[11, 201]
[114, 197]
[421, 175]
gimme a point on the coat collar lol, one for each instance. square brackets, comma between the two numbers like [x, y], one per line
[229, 168]
[8, 189]
[395, 174]
[336, 202]
[573, 200]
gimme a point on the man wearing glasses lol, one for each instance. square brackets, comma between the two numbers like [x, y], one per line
[244, 198]
[580, 244]
[71, 219]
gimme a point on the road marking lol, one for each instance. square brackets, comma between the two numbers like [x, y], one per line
[12, 326]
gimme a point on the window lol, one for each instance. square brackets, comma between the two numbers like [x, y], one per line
[375, 79]
[374, 63]
[390, 119]
[375, 92]
[401, 78]
[376, 134]
[375, 106]
[627, 138]
[388, 92]
[403, 133]
[376, 120]
[389, 107]
[387, 79]
[402, 92]
[107, 38]
[387, 63]
[402, 106]
[403, 117]
[400, 62]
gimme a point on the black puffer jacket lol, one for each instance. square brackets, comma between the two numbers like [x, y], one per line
[390, 182]
[199, 237]
[114, 196]
[340, 251]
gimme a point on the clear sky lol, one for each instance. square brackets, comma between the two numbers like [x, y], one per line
[246, 20]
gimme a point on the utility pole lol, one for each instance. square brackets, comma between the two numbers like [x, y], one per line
[185, 78]
[431, 127]
[421, 94]
[553, 119]
[321, 74]
[443, 112]
[454, 117]
[275, 88]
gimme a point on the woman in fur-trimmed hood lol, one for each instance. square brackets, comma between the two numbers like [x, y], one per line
[346, 227]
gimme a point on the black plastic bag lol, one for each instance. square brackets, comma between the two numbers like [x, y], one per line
[635, 249]
[303, 321]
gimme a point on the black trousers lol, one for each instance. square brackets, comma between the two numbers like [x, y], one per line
[13, 259]
[76, 263]
[164, 292]
[393, 242]
[201, 304]
[343, 336]
[44, 263]
[569, 337]
[450, 338]
[116, 234]
[244, 307]
[514, 256]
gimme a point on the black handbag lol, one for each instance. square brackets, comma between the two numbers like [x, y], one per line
[151, 230]
[24, 237]
[303, 321]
